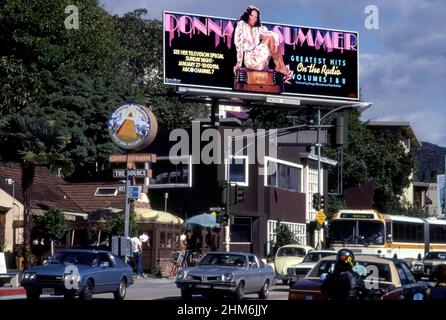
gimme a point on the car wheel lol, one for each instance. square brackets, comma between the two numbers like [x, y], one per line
[87, 292]
[240, 291]
[186, 294]
[263, 294]
[32, 295]
[119, 294]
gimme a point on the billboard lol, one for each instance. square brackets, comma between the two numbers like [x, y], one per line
[200, 51]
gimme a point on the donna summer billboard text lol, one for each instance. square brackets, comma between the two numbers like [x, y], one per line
[218, 53]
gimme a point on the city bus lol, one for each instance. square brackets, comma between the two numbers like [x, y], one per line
[390, 236]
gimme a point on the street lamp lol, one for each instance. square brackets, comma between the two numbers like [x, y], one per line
[361, 106]
[166, 196]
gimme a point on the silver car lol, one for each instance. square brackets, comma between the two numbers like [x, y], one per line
[226, 273]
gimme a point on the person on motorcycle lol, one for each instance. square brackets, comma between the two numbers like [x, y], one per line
[344, 284]
[439, 291]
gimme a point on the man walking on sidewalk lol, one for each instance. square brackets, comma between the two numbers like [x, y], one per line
[137, 255]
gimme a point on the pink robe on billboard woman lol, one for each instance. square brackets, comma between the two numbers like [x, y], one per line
[249, 47]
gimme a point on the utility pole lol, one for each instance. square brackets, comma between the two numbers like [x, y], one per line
[228, 201]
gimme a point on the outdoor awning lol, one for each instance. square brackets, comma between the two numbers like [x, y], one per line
[151, 215]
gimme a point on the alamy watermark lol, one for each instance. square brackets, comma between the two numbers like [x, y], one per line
[256, 145]
[72, 20]
[371, 22]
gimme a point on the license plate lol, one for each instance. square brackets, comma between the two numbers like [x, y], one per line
[47, 291]
[308, 297]
[202, 286]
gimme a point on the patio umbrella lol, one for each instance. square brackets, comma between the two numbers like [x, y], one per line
[151, 215]
[203, 220]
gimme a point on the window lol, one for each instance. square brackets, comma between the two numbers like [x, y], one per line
[241, 230]
[239, 170]
[106, 192]
[437, 233]
[408, 231]
[171, 172]
[253, 262]
[283, 174]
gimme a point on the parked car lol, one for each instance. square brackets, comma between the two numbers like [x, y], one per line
[226, 273]
[395, 280]
[79, 273]
[297, 272]
[426, 266]
[286, 256]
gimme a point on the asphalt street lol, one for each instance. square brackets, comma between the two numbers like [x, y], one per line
[163, 289]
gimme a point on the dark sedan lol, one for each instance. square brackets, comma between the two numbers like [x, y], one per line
[79, 273]
[394, 279]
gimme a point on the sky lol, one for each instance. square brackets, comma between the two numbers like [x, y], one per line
[402, 63]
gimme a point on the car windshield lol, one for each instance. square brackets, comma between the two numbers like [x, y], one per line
[360, 268]
[291, 252]
[316, 256]
[357, 232]
[228, 260]
[84, 258]
[436, 256]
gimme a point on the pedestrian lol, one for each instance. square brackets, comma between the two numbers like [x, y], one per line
[137, 255]
[343, 284]
[438, 292]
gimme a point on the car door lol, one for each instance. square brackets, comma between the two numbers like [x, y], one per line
[106, 275]
[253, 275]
[418, 289]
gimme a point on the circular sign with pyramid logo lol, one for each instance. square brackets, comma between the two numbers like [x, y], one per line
[132, 127]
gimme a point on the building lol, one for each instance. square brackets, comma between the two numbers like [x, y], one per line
[194, 185]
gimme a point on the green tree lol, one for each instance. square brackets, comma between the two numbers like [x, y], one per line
[284, 235]
[375, 156]
[52, 224]
[115, 225]
[32, 142]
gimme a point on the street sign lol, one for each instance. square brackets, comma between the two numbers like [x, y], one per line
[134, 192]
[320, 217]
[137, 173]
[117, 158]
[135, 157]
[119, 173]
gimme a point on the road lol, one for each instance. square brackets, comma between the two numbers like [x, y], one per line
[164, 289]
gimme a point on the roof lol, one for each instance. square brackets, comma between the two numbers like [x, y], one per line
[404, 126]
[46, 190]
[83, 195]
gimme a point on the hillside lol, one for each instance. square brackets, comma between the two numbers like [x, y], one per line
[430, 159]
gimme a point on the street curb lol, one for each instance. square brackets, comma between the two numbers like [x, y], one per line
[5, 292]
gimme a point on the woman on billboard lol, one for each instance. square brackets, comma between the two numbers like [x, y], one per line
[255, 44]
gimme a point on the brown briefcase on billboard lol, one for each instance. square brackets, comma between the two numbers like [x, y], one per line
[260, 81]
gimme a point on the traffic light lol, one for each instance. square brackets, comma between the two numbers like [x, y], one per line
[240, 194]
[222, 187]
[316, 201]
[223, 218]
[322, 202]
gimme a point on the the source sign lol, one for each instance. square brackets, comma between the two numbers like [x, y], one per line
[137, 173]
[199, 51]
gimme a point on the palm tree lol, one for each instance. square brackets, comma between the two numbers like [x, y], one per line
[32, 142]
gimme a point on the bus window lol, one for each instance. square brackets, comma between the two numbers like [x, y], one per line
[343, 231]
[371, 232]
